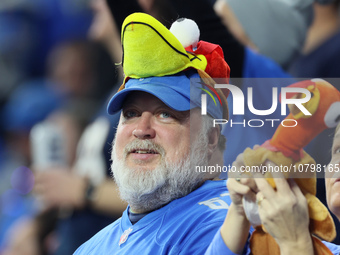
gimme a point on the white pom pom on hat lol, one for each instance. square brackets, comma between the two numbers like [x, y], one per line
[186, 31]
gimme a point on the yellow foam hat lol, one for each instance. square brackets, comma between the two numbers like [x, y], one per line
[150, 49]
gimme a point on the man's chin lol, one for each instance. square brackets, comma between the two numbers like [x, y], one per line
[141, 165]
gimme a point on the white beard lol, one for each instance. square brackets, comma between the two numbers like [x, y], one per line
[147, 190]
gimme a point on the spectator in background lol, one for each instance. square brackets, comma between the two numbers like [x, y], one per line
[28, 30]
[277, 29]
[82, 186]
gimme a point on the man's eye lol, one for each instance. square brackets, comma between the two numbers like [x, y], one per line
[165, 115]
[130, 114]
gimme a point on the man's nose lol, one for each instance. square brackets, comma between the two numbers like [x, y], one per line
[144, 127]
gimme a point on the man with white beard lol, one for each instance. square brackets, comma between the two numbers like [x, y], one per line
[161, 137]
[148, 189]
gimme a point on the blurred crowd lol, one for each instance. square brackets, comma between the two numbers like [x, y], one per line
[59, 64]
[56, 73]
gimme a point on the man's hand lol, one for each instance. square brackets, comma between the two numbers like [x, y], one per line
[235, 228]
[240, 185]
[284, 214]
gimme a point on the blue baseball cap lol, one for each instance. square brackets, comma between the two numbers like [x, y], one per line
[181, 92]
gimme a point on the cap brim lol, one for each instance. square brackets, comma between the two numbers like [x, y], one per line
[168, 96]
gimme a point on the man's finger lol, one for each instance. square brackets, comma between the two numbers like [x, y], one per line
[239, 188]
[264, 187]
[295, 189]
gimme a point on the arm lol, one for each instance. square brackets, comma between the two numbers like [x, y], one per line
[229, 19]
[235, 229]
[61, 188]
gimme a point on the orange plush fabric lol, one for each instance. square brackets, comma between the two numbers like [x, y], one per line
[323, 96]
[286, 149]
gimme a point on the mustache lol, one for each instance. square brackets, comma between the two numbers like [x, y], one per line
[143, 145]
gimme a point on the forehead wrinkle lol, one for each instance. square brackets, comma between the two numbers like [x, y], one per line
[140, 97]
[135, 99]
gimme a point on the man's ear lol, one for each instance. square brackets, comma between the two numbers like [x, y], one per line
[213, 137]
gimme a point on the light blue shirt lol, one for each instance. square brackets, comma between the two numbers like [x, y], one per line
[185, 226]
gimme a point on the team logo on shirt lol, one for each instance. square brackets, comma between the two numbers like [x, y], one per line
[125, 236]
